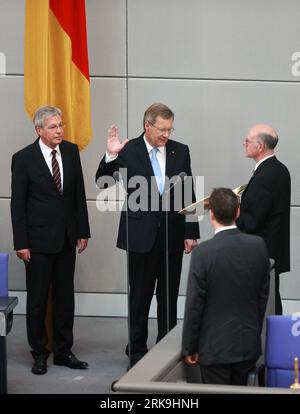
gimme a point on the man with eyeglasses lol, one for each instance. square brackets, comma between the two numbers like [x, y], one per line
[265, 203]
[152, 155]
[49, 219]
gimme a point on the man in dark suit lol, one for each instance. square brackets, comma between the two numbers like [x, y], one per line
[226, 299]
[265, 204]
[49, 218]
[151, 159]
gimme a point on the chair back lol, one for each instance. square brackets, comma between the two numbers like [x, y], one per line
[282, 346]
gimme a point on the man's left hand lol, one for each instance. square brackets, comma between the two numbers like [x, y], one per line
[189, 244]
[82, 244]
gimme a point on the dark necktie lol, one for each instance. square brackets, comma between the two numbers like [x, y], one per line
[56, 172]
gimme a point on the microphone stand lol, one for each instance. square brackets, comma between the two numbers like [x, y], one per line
[179, 179]
[118, 177]
[127, 277]
[167, 258]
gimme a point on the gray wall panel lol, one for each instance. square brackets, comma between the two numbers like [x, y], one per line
[290, 282]
[235, 39]
[102, 267]
[106, 27]
[12, 14]
[108, 107]
[213, 118]
[16, 131]
[16, 269]
[106, 24]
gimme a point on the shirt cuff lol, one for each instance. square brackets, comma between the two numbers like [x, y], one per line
[110, 158]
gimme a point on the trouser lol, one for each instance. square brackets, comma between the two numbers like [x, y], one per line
[227, 374]
[41, 271]
[278, 304]
[145, 271]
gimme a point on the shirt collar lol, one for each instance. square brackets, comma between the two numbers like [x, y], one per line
[225, 228]
[149, 147]
[47, 150]
[264, 159]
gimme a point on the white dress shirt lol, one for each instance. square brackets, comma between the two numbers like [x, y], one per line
[264, 159]
[225, 228]
[161, 158]
[46, 151]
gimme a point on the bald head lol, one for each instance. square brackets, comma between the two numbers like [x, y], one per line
[260, 142]
[265, 134]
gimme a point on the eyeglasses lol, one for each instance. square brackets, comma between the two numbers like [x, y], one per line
[54, 128]
[163, 130]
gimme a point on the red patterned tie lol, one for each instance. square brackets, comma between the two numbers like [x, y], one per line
[56, 171]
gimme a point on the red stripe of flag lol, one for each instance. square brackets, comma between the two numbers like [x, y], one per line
[71, 16]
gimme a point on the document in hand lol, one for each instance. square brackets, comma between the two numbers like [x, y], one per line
[203, 204]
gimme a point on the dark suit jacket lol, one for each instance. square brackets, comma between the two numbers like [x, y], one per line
[265, 210]
[143, 225]
[226, 298]
[41, 217]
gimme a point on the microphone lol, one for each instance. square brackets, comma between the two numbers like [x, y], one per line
[116, 175]
[180, 177]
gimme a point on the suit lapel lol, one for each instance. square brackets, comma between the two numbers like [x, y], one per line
[259, 169]
[39, 160]
[171, 167]
[251, 179]
[66, 164]
[143, 158]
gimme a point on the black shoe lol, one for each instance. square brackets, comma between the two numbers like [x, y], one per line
[40, 365]
[69, 360]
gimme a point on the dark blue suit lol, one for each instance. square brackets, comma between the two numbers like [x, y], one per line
[147, 239]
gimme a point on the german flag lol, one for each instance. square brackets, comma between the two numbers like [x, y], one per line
[56, 69]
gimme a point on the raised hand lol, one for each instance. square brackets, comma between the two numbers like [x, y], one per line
[114, 145]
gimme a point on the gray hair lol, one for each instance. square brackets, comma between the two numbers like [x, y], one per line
[155, 110]
[43, 113]
[270, 141]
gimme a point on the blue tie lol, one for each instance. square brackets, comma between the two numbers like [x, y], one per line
[157, 170]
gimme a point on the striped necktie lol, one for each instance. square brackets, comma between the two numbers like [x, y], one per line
[56, 172]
